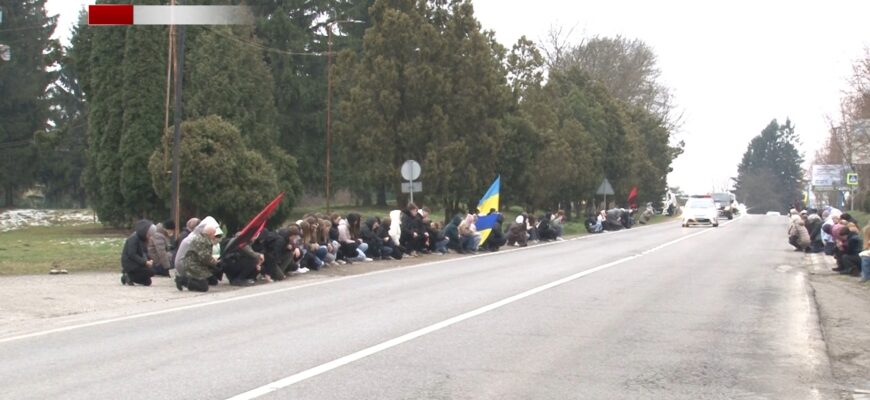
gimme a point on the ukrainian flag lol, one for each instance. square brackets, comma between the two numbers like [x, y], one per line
[488, 202]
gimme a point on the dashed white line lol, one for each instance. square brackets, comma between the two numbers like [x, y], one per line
[329, 366]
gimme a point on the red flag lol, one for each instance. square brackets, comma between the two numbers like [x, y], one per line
[254, 227]
[631, 198]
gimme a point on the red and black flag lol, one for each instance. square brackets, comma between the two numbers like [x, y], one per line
[254, 227]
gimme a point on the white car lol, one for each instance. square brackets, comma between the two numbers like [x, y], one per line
[700, 210]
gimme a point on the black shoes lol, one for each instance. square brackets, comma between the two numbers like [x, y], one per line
[179, 283]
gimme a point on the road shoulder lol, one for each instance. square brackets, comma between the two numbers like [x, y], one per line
[844, 315]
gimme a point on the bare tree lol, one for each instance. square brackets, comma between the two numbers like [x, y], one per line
[626, 67]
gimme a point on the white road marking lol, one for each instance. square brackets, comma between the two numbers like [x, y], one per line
[323, 368]
[282, 290]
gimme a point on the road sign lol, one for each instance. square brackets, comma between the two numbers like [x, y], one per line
[605, 189]
[852, 179]
[828, 175]
[408, 186]
[411, 170]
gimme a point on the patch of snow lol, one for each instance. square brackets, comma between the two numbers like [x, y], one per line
[22, 218]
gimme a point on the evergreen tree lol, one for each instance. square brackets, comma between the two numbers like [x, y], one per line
[144, 73]
[62, 149]
[102, 81]
[429, 86]
[770, 176]
[227, 76]
[220, 175]
[24, 81]
[296, 35]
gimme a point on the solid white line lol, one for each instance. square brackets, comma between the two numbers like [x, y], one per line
[282, 290]
[323, 368]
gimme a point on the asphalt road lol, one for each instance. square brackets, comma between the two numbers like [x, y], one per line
[656, 312]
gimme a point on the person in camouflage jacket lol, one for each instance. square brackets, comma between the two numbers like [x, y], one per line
[199, 263]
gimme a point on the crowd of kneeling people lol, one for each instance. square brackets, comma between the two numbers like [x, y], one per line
[312, 243]
[834, 233]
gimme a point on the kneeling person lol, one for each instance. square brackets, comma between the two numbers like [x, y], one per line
[198, 263]
[135, 264]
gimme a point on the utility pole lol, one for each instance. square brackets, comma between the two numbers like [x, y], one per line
[170, 61]
[328, 112]
[176, 141]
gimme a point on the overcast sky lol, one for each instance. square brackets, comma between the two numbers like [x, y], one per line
[733, 66]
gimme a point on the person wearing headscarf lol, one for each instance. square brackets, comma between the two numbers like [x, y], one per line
[188, 229]
[195, 262]
[468, 235]
[160, 249]
[516, 234]
[135, 263]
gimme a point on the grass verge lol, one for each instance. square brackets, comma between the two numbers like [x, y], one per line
[36, 250]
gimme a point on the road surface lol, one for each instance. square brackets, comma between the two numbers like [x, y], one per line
[655, 312]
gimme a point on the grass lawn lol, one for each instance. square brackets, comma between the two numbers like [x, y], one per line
[36, 250]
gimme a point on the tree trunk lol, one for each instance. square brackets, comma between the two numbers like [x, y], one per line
[9, 197]
[366, 198]
[382, 195]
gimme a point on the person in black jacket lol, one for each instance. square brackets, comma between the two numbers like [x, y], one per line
[496, 237]
[383, 232]
[135, 263]
[270, 245]
[851, 260]
[242, 265]
[377, 248]
[414, 235]
[545, 231]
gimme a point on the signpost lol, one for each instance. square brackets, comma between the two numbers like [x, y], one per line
[411, 171]
[852, 181]
[604, 189]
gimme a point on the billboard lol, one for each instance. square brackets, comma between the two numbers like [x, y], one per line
[828, 177]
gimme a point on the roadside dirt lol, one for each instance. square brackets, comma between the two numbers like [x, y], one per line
[35, 303]
[844, 313]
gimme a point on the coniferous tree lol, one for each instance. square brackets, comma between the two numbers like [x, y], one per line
[24, 82]
[770, 176]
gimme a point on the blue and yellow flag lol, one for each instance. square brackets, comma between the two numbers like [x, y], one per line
[489, 201]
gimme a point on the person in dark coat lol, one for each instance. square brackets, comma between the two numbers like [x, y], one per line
[413, 237]
[270, 245]
[516, 232]
[814, 227]
[545, 230]
[297, 256]
[383, 232]
[135, 263]
[613, 220]
[496, 237]
[451, 232]
[377, 249]
[851, 260]
[242, 265]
